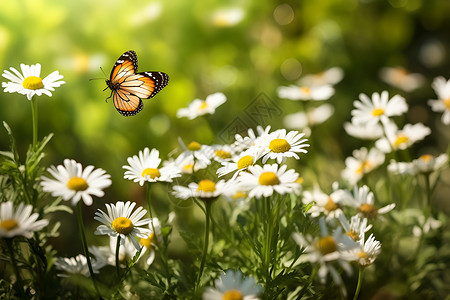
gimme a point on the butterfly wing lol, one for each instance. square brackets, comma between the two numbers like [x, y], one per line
[129, 87]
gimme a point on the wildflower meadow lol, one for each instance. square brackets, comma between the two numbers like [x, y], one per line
[209, 150]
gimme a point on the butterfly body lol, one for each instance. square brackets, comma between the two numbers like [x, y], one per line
[128, 86]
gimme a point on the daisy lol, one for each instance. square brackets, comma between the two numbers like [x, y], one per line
[322, 203]
[199, 152]
[442, 104]
[222, 153]
[427, 163]
[241, 162]
[313, 116]
[356, 228]
[29, 82]
[202, 107]
[325, 250]
[144, 168]
[231, 285]
[316, 93]
[77, 265]
[108, 253]
[73, 183]
[280, 145]
[205, 189]
[400, 78]
[155, 237]
[364, 131]
[253, 139]
[20, 221]
[366, 252]
[264, 181]
[361, 163]
[363, 200]
[330, 76]
[379, 108]
[186, 164]
[401, 139]
[120, 221]
[401, 168]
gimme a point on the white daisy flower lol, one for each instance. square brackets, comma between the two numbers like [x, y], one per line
[400, 78]
[441, 87]
[356, 228]
[108, 253]
[363, 200]
[20, 221]
[227, 17]
[241, 162]
[313, 116]
[401, 139]
[144, 168]
[364, 131]
[264, 181]
[316, 93]
[401, 168]
[205, 189]
[222, 153]
[73, 183]
[427, 163]
[120, 221]
[253, 139]
[361, 163]
[197, 151]
[325, 250]
[330, 76]
[202, 107]
[280, 145]
[186, 164]
[366, 253]
[29, 82]
[77, 265]
[379, 108]
[153, 238]
[322, 203]
[231, 285]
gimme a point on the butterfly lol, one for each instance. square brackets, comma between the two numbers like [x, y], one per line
[128, 87]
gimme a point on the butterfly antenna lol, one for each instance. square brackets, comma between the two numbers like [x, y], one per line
[103, 72]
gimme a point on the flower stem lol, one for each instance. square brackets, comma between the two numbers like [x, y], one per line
[85, 248]
[428, 196]
[20, 284]
[267, 241]
[34, 112]
[358, 287]
[117, 256]
[149, 204]
[208, 204]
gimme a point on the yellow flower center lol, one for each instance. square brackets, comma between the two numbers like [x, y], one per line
[152, 172]
[426, 158]
[245, 162]
[232, 295]
[206, 185]
[401, 139]
[326, 245]
[33, 83]
[194, 146]
[300, 180]
[331, 205]
[148, 241]
[447, 103]
[238, 195]
[77, 184]
[203, 105]
[362, 254]
[188, 168]
[368, 210]
[268, 178]
[223, 154]
[378, 112]
[354, 235]
[8, 224]
[122, 225]
[305, 89]
[279, 145]
[363, 167]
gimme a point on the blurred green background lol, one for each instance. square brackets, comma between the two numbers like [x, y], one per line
[240, 48]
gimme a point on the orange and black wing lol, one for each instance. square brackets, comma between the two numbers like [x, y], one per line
[129, 87]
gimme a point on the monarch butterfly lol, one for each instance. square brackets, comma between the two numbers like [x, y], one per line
[128, 86]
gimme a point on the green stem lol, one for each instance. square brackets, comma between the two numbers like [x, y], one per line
[34, 112]
[208, 204]
[358, 287]
[117, 256]
[267, 240]
[428, 196]
[20, 284]
[85, 248]
[149, 204]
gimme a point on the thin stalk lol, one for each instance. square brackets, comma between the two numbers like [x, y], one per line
[208, 204]
[34, 113]
[358, 287]
[85, 248]
[20, 284]
[267, 241]
[149, 204]
[428, 195]
[117, 256]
